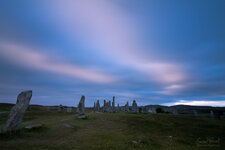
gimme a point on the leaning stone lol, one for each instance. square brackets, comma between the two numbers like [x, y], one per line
[17, 112]
[80, 107]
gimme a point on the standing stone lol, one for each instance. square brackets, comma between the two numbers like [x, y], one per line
[109, 107]
[118, 108]
[145, 110]
[211, 113]
[98, 106]
[48, 109]
[60, 108]
[174, 111]
[195, 113]
[113, 105]
[69, 109]
[152, 110]
[94, 109]
[104, 106]
[134, 107]
[80, 108]
[17, 112]
[127, 107]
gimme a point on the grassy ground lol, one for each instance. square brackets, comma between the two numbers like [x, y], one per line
[115, 132]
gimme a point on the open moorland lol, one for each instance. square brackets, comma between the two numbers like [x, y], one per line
[112, 131]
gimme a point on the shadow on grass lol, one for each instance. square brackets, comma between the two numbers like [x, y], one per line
[23, 133]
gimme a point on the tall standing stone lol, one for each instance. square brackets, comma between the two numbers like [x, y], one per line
[118, 108]
[48, 109]
[211, 113]
[195, 113]
[104, 106]
[127, 107]
[60, 108]
[109, 106]
[17, 112]
[94, 109]
[80, 107]
[113, 105]
[152, 110]
[69, 109]
[98, 106]
[174, 111]
[134, 107]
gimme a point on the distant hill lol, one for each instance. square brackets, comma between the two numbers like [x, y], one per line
[186, 109]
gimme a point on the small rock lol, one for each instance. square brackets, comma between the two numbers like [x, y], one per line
[82, 117]
[33, 126]
[134, 141]
[67, 125]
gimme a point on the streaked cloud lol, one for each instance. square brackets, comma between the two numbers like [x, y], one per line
[28, 56]
[115, 34]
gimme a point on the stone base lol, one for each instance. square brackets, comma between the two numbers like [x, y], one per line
[82, 116]
[34, 126]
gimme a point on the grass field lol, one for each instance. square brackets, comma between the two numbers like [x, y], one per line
[115, 131]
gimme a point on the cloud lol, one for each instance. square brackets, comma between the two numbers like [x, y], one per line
[32, 57]
[115, 34]
[198, 103]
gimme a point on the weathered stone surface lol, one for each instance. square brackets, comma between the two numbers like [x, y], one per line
[104, 106]
[82, 116]
[211, 113]
[97, 106]
[113, 105]
[195, 113]
[152, 110]
[60, 108]
[94, 108]
[69, 109]
[107, 106]
[67, 125]
[17, 112]
[134, 107]
[174, 111]
[48, 109]
[81, 105]
[127, 107]
[34, 126]
[118, 108]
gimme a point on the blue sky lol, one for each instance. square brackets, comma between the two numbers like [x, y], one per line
[156, 52]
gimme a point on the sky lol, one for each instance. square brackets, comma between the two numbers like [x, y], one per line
[155, 52]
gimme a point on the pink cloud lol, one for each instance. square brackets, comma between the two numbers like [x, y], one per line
[114, 33]
[32, 57]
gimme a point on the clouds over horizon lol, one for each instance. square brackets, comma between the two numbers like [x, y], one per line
[105, 48]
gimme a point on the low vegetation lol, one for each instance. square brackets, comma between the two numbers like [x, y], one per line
[114, 131]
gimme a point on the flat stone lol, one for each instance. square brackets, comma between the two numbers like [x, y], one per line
[67, 125]
[33, 126]
[82, 117]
